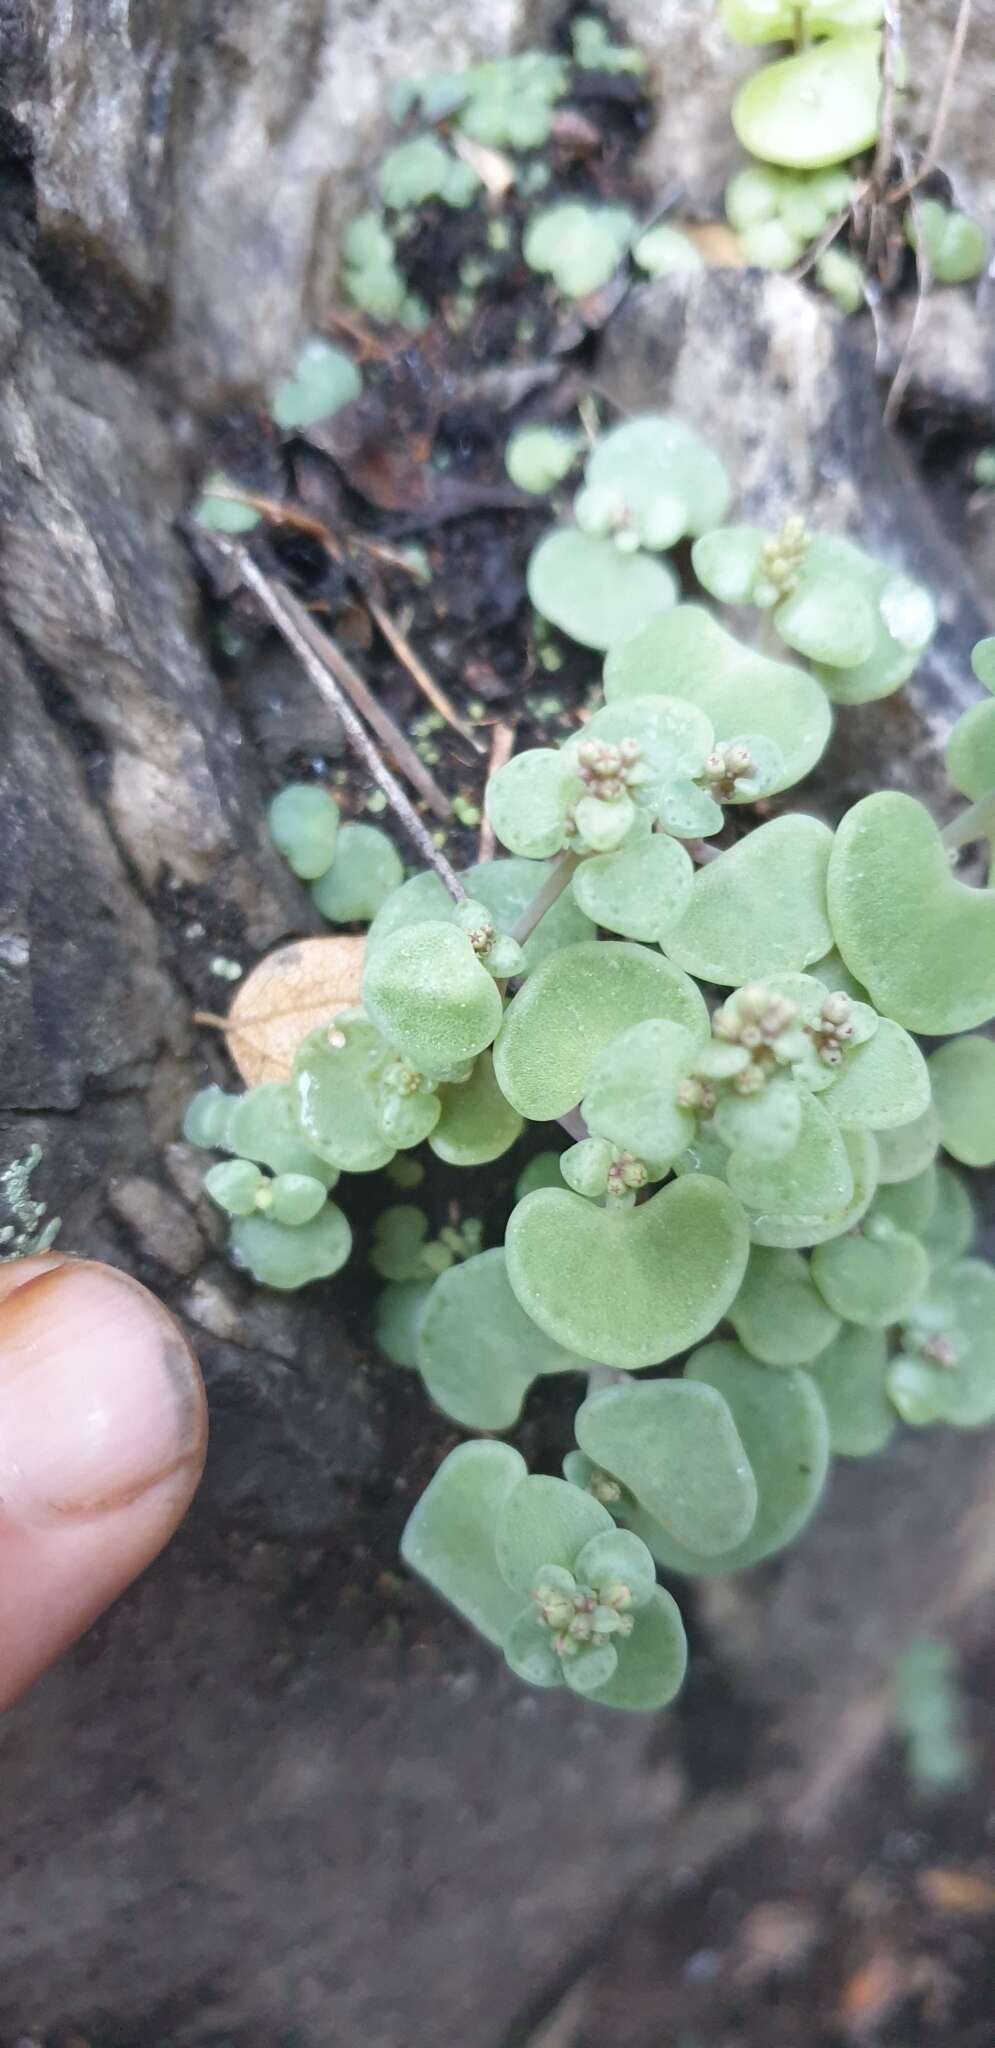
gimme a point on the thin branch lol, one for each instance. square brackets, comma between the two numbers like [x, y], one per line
[280, 607]
[427, 684]
[903, 375]
[502, 748]
[370, 708]
[944, 105]
[545, 897]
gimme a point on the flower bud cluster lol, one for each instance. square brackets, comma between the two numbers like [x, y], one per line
[782, 559]
[582, 1618]
[725, 768]
[610, 772]
[831, 1031]
[755, 1019]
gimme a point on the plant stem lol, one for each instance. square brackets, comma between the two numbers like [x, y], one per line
[274, 601]
[977, 822]
[545, 897]
[574, 1125]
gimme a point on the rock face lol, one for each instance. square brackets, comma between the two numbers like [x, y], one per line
[307, 1808]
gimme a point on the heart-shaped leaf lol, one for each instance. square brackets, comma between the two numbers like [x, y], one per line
[449, 1537]
[882, 1083]
[851, 1376]
[287, 1257]
[324, 379]
[818, 108]
[336, 1108]
[592, 592]
[544, 1522]
[904, 618]
[922, 943]
[263, 1125]
[963, 1079]
[641, 890]
[631, 1096]
[651, 1663]
[477, 1350]
[686, 653]
[506, 888]
[760, 908]
[571, 1007]
[782, 1426]
[871, 1277]
[529, 1652]
[477, 1123]
[426, 991]
[304, 825]
[528, 800]
[617, 1557]
[786, 1233]
[675, 1446]
[657, 459]
[779, 1315]
[829, 615]
[631, 1287]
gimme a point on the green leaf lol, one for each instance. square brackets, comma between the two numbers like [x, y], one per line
[234, 1184]
[221, 514]
[477, 1123]
[970, 751]
[304, 823]
[426, 991]
[396, 1319]
[366, 869]
[295, 1198]
[651, 1662]
[771, 245]
[629, 1287]
[613, 1557]
[641, 890]
[414, 172]
[959, 1307]
[571, 1007]
[904, 617]
[851, 1378]
[506, 888]
[449, 1537]
[956, 247]
[663, 250]
[783, 1429]
[922, 942]
[882, 1083]
[541, 1171]
[805, 1186]
[675, 1446]
[263, 1125]
[818, 108]
[829, 616]
[207, 1117]
[585, 1167]
[761, 1126]
[592, 592]
[868, 1278]
[905, 1153]
[983, 661]
[668, 479]
[528, 800]
[951, 1227]
[579, 247]
[538, 458]
[529, 1651]
[686, 653]
[477, 1351]
[400, 1239]
[631, 1095]
[336, 1108]
[287, 1258]
[545, 1522]
[785, 1233]
[760, 908]
[759, 21]
[323, 380]
[592, 1669]
[779, 1315]
[962, 1074]
[911, 1204]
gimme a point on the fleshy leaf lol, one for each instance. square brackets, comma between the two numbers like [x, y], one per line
[529, 1651]
[970, 753]
[427, 992]
[958, 1309]
[906, 1151]
[538, 458]
[477, 1124]
[641, 890]
[814, 109]
[506, 888]
[804, 1186]
[963, 1079]
[882, 1083]
[779, 1315]
[324, 378]
[545, 1521]
[617, 1555]
[207, 1117]
[365, 870]
[656, 459]
[287, 1257]
[631, 1095]
[674, 1445]
[829, 615]
[396, 1320]
[871, 1277]
[477, 1351]
[783, 1429]
[630, 1287]
[592, 592]
[295, 1198]
[761, 1126]
[922, 942]
[234, 1184]
[760, 908]
[528, 799]
[569, 1009]
[336, 1109]
[851, 1378]
[449, 1537]
[585, 1167]
[786, 1233]
[949, 1234]
[910, 1204]
[651, 1662]
[542, 1171]
[304, 823]
[263, 1125]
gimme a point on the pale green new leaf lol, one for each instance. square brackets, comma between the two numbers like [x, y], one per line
[674, 1445]
[449, 1538]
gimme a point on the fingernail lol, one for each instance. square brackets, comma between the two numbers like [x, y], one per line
[100, 1394]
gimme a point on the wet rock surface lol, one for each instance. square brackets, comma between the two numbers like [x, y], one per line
[303, 1806]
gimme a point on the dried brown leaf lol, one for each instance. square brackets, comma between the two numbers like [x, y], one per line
[958, 1891]
[716, 243]
[293, 991]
